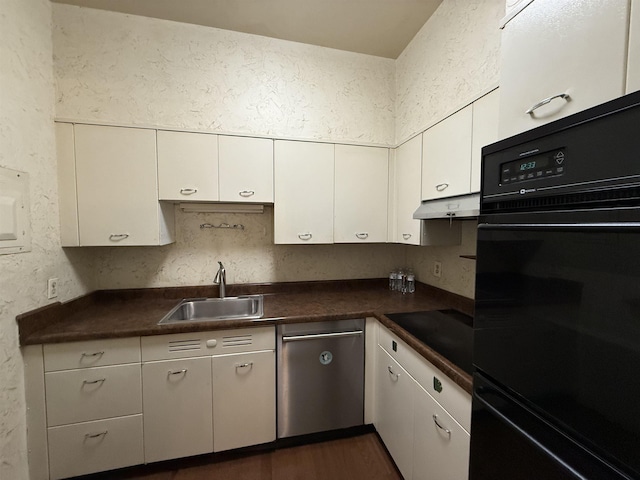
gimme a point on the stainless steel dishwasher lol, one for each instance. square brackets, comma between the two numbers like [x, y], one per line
[320, 376]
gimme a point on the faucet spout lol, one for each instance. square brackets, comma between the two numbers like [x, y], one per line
[221, 279]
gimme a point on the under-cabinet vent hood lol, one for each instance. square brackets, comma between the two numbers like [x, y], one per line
[463, 206]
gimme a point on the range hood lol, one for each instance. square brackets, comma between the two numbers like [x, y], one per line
[463, 206]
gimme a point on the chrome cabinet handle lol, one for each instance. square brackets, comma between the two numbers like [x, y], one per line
[247, 193]
[94, 354]
[244, 365]
[406, 236]
[93, 382]
[315, 336]
[396, 375]
[177, 372]
[116, 237]
[446, 430]
[96, 435]
[362, 235]
[442, 186]
[564, 96]
[304, 236]
[188, 191]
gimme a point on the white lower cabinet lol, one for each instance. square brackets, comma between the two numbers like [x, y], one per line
[441, 445]
[244, 400]
[394, 411]
[177, 408]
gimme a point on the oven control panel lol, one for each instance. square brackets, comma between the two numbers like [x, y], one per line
[533, 165]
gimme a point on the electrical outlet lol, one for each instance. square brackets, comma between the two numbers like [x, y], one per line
[52, 288]
[437, 269]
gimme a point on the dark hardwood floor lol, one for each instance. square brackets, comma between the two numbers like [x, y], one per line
[361, 457]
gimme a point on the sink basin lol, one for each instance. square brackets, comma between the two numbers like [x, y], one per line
[213, 309]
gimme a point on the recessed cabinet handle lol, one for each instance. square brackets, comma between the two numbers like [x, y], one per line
[116, 237]
[247, 193]
[406, 236]
[96, 435]
[93, 382]
[94, 354]
[188, 191]
[304, 236]
[177, 372]
[244, 365]
[395, 375]
[446, 430]
[564, 96]
[362, 236]
[442, 186]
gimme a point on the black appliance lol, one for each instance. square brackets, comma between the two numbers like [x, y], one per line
[557, 321]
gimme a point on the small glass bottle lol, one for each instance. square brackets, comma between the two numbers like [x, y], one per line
[411, 283]
[392, 280]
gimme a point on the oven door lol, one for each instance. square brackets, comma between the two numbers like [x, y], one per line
[557, 324]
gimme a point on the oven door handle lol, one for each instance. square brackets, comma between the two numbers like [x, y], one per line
[599, 226]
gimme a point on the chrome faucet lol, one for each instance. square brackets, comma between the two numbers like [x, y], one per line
[221, 279]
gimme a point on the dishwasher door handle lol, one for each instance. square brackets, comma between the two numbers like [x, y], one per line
[314, 336]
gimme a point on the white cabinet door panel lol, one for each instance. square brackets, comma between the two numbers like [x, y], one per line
[187, 166]
[633, 67]
[558, 47]
[246, 169]
[304, 176]
[361, 187]
[485, 131]
[408, 181]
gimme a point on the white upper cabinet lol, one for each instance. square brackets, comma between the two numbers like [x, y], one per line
[633, 68]
[304, 174]
[246, 169]
[117, 188]
[560, 57]
[446, 156]
[485, 132]
[408, 164]
[187, 166]
[361, 188]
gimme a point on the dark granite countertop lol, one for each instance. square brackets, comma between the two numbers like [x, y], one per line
[136, 312]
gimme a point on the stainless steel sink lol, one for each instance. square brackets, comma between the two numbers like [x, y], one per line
[213, 309]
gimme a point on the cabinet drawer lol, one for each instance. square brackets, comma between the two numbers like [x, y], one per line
[444, 390]
[93, 393]
[200, 344]
[95, 446]
[93, 353]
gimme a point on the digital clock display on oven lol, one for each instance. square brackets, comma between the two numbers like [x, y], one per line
[534, 167]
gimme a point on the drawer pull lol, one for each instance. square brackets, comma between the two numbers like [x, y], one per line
[247, 193]
[564, 96]
[362, 236]
[177, 372]
[442, 186]
[406, 236]
[446, 430]
[304, 236]
[395, 375]
[244, 365]
[188, 191]
[95, 435]
[94, 354]
[116, 237]
[93, 382]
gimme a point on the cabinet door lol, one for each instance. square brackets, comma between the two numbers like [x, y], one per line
[177, 408]
[446, 156]
[407, 187]
[303, 208]
[633, 67]
[556, 47]
[246, 169]
[394, 411]
[485, 132]
[361, 187]
[441, 446]
[244, 400]
[117, 187]
[187, 166]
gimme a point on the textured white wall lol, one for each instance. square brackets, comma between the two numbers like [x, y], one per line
[111, 67]
[27, 144]
[454, 57]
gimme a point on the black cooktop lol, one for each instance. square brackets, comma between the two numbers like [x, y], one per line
[448, 332]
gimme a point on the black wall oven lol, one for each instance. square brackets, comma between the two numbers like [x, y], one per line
[557, 320]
